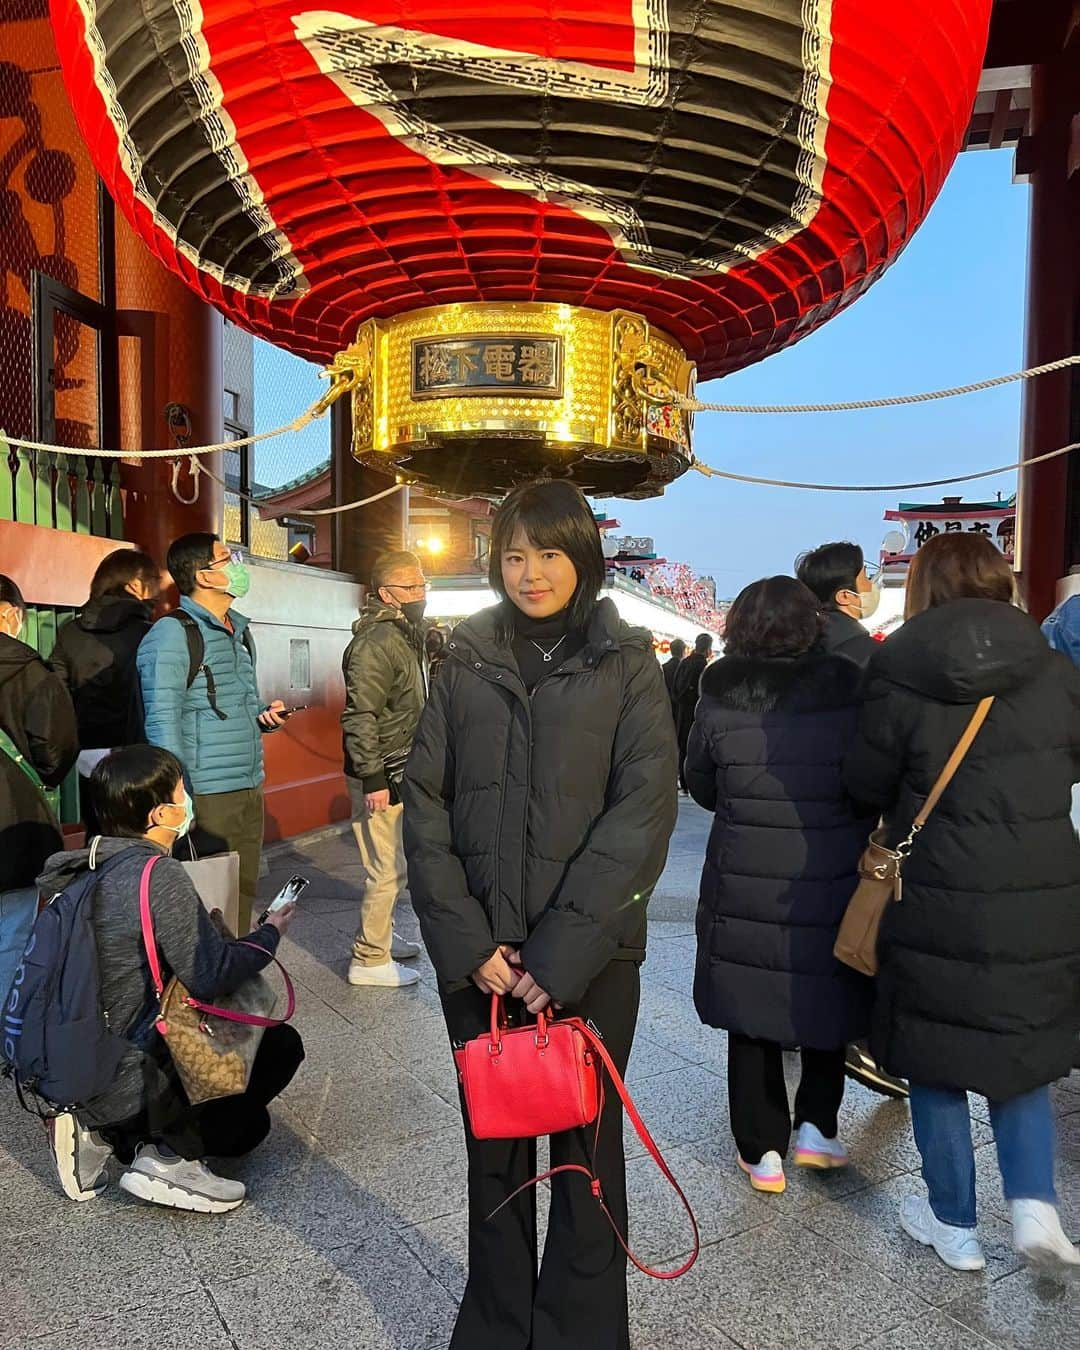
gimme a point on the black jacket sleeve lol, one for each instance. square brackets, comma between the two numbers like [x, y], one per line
[875, 764]
[454, 923]
[626, 850]
[60, 660]
[51, 733]
[701, 763]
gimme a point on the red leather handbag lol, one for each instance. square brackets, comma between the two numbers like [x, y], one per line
[544, 1078]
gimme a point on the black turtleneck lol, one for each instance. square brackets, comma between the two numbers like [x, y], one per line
[533, 637]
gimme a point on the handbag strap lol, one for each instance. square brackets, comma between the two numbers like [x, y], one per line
[600, 1050]
[150, 943]
[948, 773]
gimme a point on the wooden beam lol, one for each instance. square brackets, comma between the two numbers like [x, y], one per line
[999, 123]
[1023, 34]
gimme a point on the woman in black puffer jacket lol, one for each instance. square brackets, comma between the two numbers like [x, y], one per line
[979, 981]
[774, 722]
[539, 799]
[95, 657]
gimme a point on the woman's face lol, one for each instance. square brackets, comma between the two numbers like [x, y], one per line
[539, 581]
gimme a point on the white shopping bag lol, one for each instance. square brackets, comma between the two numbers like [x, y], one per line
[218, 882]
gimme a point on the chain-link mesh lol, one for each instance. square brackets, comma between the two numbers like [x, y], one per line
[266, 387]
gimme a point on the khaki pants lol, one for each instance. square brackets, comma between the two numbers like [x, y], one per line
[382, 852]
[232, 822]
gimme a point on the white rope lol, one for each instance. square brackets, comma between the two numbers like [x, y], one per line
[194, 468]
[92, 452]
[694, 405]
[327, 511]
[883, 487]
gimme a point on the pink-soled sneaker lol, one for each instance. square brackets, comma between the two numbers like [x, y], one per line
[812, 1149]
[766, 1175]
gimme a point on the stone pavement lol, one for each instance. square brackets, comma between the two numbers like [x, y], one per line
[353, 1236]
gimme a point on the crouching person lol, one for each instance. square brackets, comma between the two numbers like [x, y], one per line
[144, 1116]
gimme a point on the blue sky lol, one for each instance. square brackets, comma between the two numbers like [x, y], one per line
[950, 311]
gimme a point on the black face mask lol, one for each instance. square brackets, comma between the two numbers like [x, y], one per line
[414, 611]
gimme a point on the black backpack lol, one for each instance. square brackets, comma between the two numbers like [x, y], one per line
[54, 1038]
[196, 645]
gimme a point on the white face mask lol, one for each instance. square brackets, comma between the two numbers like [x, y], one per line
[869, 601]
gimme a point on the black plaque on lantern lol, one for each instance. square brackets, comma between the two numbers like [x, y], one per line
[455, 367]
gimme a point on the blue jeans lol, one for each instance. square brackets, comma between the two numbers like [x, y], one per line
[18, 909]
[1023, 1132]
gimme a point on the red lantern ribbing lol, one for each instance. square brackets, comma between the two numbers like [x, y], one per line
[729, 174]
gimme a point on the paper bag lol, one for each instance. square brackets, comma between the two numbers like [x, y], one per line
[218, 882]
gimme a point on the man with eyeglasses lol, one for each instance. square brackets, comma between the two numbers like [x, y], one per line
[201, 700]
[385, 688]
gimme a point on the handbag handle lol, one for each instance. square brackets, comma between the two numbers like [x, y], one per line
[150, 943]
[948, 773]
[499, 1023]
[597, 1046]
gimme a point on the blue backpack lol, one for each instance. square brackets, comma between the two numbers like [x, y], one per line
[55, 1040]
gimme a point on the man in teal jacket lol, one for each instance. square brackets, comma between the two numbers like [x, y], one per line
[214, 726]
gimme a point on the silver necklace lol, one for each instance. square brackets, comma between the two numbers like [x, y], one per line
[547, 655]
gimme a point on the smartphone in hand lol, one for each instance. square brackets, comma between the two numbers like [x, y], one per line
[289, 893]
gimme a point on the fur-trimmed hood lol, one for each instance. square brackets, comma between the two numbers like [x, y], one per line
[812, 683]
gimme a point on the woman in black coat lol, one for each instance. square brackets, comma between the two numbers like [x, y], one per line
[95, 657]
[774, 721]
[37, 749]
[539, 799]
[979, 981]
[685, 687]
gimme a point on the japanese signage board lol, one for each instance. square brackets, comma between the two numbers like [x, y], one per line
[922, 523]
[461, 366]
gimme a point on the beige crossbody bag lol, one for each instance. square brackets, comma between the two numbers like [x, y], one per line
[881, 868]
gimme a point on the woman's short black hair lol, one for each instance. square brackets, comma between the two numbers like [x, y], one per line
[774, 617]
[830, 568]
[552, 514]
[11, 595]
[119, 569]
[127, 785]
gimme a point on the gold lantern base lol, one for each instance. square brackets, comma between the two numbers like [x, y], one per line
[471, 399]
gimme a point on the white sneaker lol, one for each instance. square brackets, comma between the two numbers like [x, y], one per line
[401, 949]
[1038, 1235]
[387, 976]
[80, 1156]
[177, 1183]
[812, 1149]
[958, 1247]
[768, 1174]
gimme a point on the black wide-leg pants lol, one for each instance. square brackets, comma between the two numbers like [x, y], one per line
[758, 1100]
[577, 1299]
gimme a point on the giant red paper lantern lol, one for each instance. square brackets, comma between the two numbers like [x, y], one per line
[732, 172]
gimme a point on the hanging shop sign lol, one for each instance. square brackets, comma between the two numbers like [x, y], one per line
[919, 524]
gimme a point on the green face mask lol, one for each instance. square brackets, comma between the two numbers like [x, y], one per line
[238, 578]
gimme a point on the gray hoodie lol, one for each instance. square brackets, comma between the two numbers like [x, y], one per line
[189, 946]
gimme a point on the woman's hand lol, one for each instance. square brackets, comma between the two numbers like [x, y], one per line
[534, 998]
[282, 918]
[495, 976]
